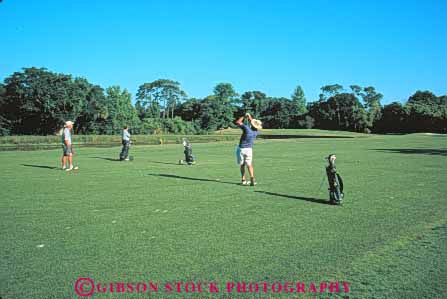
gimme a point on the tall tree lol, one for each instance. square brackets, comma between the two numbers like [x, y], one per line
[343, 111]
[328, 91]
[218, 109]
[162, 94]
[5, 125]
[225, 92]
[190, 110]
[253, 102]
[276, 113]
[121, 111]
[93, 118]
[37, 101]
[394, 118]
[299, 101]
[425, 112]
[356, 89]
[371, 100]
[423, 98]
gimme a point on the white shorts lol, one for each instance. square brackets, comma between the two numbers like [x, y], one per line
[244, 156]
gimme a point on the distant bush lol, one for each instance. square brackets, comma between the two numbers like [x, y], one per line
[166, 125]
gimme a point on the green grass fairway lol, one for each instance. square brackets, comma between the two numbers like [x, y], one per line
[152, 219]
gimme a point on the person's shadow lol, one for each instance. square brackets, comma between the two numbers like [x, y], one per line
[166, 163]
[172, 176]
[424, 151]
[40, 166]
[108, 159]
[310, 199]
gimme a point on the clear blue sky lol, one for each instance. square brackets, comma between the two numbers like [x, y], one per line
[396, 46]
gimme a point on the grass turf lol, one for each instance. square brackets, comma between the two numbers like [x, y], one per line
[152, 219]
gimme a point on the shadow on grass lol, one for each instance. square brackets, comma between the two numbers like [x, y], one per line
[267, 136]
[423, 151]
[310, 199]
[172, 176]
[40, 166]
[108, 159]
[167, 163]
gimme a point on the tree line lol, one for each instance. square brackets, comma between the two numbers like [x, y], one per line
[37, 101]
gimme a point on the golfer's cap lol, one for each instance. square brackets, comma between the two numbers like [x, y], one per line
[68, 123]
[257, 124]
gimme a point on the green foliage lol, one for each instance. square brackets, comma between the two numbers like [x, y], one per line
[174, 125]
[160, 96]
[225, 92]
[371, 100]
[342, 111]
[427, 112]
[394, 119]
[328, 91]
[308, 122]
[93, 117]
[5, 125]
[121, 111]
[299, 101]
[218, 109]
[190, 110]
[177, 125]
[37, 101]
[276, 114]
[151, 126]
[253, 102]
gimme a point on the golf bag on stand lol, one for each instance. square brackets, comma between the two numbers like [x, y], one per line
[189, 157]
[335, 182]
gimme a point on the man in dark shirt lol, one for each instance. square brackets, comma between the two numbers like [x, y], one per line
[244, 153]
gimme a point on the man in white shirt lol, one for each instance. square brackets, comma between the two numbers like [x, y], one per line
[125, 140]
[67, 147]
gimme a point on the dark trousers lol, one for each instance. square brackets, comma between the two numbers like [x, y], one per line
[125, 150]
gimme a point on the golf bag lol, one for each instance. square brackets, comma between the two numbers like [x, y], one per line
[189, 157]
[335, 181]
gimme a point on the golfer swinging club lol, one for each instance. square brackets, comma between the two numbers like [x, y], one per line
[244, 152]
[67, 147]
